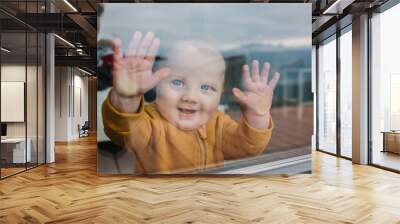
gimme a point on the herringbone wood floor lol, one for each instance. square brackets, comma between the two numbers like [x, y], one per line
[69, 191]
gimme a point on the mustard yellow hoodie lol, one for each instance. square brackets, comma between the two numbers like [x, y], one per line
[160, 147]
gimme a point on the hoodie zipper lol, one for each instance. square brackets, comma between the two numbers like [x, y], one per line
[203, 148]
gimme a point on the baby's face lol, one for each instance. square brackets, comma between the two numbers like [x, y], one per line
[188, 97]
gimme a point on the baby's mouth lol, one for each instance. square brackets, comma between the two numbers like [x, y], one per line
[187, 111]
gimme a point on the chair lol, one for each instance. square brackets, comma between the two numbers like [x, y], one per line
[84, 130]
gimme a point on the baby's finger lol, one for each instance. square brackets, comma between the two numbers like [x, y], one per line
[161, 74]
[117, 49]
[265, 72]
[117, 55]
[274, 80]
[255, 71]
[134, 44]
[153, 50]
[239, 96]
[246, 76]
[145, 44]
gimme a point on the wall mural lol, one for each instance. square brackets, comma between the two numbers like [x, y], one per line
[204, 89]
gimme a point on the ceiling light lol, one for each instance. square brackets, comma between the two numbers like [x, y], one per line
[338, 6]
[86, 72]
[71, 6]
[5, 49]
[79, 51]
[65, 41]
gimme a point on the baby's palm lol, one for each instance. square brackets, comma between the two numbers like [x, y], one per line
[132, 73]
[257, 95]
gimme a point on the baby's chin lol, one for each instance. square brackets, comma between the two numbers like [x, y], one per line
[187, 125]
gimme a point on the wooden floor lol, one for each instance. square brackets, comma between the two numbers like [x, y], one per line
[387, 159]
[69, 191]
[10, 171]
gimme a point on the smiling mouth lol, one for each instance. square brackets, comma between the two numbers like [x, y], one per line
[187, 111]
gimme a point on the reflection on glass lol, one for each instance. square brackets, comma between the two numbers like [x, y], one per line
[327, 96]
[346, 94]
[13, 85]
[31, 101]
[385, 84]
[22, 90]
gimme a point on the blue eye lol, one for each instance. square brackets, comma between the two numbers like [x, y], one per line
[177, 83]
[206, 87]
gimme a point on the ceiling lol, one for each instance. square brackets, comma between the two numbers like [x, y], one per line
[76, 22]
[331, 15]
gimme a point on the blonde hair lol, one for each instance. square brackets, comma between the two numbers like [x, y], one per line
[194, 54]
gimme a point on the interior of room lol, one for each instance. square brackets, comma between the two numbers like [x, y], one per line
[22, 101]
[25, 65]
[385, 107]
[335, 120]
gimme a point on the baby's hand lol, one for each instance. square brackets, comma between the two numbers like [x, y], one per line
[132, 73]
[256, 99]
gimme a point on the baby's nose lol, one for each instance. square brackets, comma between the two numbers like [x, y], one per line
[189, 97]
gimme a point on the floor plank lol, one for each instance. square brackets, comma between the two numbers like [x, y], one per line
[70, 191]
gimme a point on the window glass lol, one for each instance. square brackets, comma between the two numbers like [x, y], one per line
[346, 94]
[327, 96]
[15, 150]
[385, 84]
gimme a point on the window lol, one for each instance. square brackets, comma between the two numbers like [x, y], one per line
[327, 95]
[346, 93]
[385, 89]
[22, 76]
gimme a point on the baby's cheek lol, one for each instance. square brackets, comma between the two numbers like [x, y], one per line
[211, 104]
[168, 95]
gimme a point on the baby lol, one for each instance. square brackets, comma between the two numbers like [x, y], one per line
[183, 131]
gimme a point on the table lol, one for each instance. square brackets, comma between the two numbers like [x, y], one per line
[13, 150]
[391, 141]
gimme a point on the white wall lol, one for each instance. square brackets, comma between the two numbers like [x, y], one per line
[81, 104]
[17, 73]
[61, 103]
[14, 73]
[33, 127]
[71, 94]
